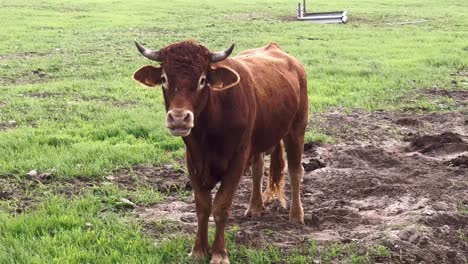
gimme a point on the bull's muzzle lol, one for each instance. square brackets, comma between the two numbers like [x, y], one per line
[179, 122]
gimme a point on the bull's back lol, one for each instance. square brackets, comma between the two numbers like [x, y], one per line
[279, 85]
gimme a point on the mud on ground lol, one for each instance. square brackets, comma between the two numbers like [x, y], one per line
[394, 179]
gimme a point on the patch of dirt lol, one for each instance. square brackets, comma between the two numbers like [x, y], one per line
[436, 145]
[115, 102]
[386, 126]
[288, 18]
[166, 179]
[35, 76]
[24, 55]
[58, 8]
[356, 20]
[23, 193]
[43, 94]
[39, 72]
[394, 179]
[8, 125]
[365, 20]
[461, 161]
[250, 16]
[460, 97]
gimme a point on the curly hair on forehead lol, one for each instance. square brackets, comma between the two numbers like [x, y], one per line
[185, 56]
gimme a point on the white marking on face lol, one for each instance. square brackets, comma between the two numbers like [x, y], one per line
[202, 82]
[164, 81]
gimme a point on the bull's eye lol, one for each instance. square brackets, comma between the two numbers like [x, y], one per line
[164, 81]
[202, 82]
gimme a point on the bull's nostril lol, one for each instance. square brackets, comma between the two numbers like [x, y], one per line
[170, 117]
[187, 117]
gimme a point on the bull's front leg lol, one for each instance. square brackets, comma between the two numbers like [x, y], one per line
[222, 209]
[201, 247]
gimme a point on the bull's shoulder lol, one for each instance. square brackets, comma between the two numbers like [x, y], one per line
[272, 46]
[270, 57]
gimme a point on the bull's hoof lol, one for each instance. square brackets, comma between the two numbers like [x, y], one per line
[198, 255]
[296, 220]
[254, 213]
[219, 259]
[296, 216]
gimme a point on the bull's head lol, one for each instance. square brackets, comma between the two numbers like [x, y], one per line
[188, 76]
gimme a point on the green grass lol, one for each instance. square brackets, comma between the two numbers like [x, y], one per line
[350, 253]
[463, 235]
[69, 107]
[315, 136]
[65, 69]
[91, 229]
[83, 230]
[462, 208]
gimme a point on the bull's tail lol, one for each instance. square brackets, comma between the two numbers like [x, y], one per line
[276, 177]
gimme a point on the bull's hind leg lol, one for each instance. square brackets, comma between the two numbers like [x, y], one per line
[294, 143]
[256, 202]
[294, 147]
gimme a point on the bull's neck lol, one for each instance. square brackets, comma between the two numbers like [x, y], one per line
[204, 120]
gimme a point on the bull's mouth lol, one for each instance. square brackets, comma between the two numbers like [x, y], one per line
[180, 132]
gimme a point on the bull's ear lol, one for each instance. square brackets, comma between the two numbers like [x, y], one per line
[221, 78]
[148, 75]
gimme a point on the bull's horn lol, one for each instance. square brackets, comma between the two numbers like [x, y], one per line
[221, 55]
[150, 54]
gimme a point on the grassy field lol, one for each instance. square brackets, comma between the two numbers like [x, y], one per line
[68, 106]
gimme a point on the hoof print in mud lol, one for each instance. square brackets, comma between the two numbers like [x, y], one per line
[312, 220]
[409, 122]
[438, 145]
[313, 164]
[460, 161]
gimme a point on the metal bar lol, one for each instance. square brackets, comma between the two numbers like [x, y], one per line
[323, 21]
[327, 17]
[321, 17]
[325, 13]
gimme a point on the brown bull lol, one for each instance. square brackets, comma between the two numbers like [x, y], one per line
[229, 111]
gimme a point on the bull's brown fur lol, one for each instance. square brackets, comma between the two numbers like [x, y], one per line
[179, 58]
[234, 125]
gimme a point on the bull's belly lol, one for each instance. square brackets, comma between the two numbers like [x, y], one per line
[270, 134]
